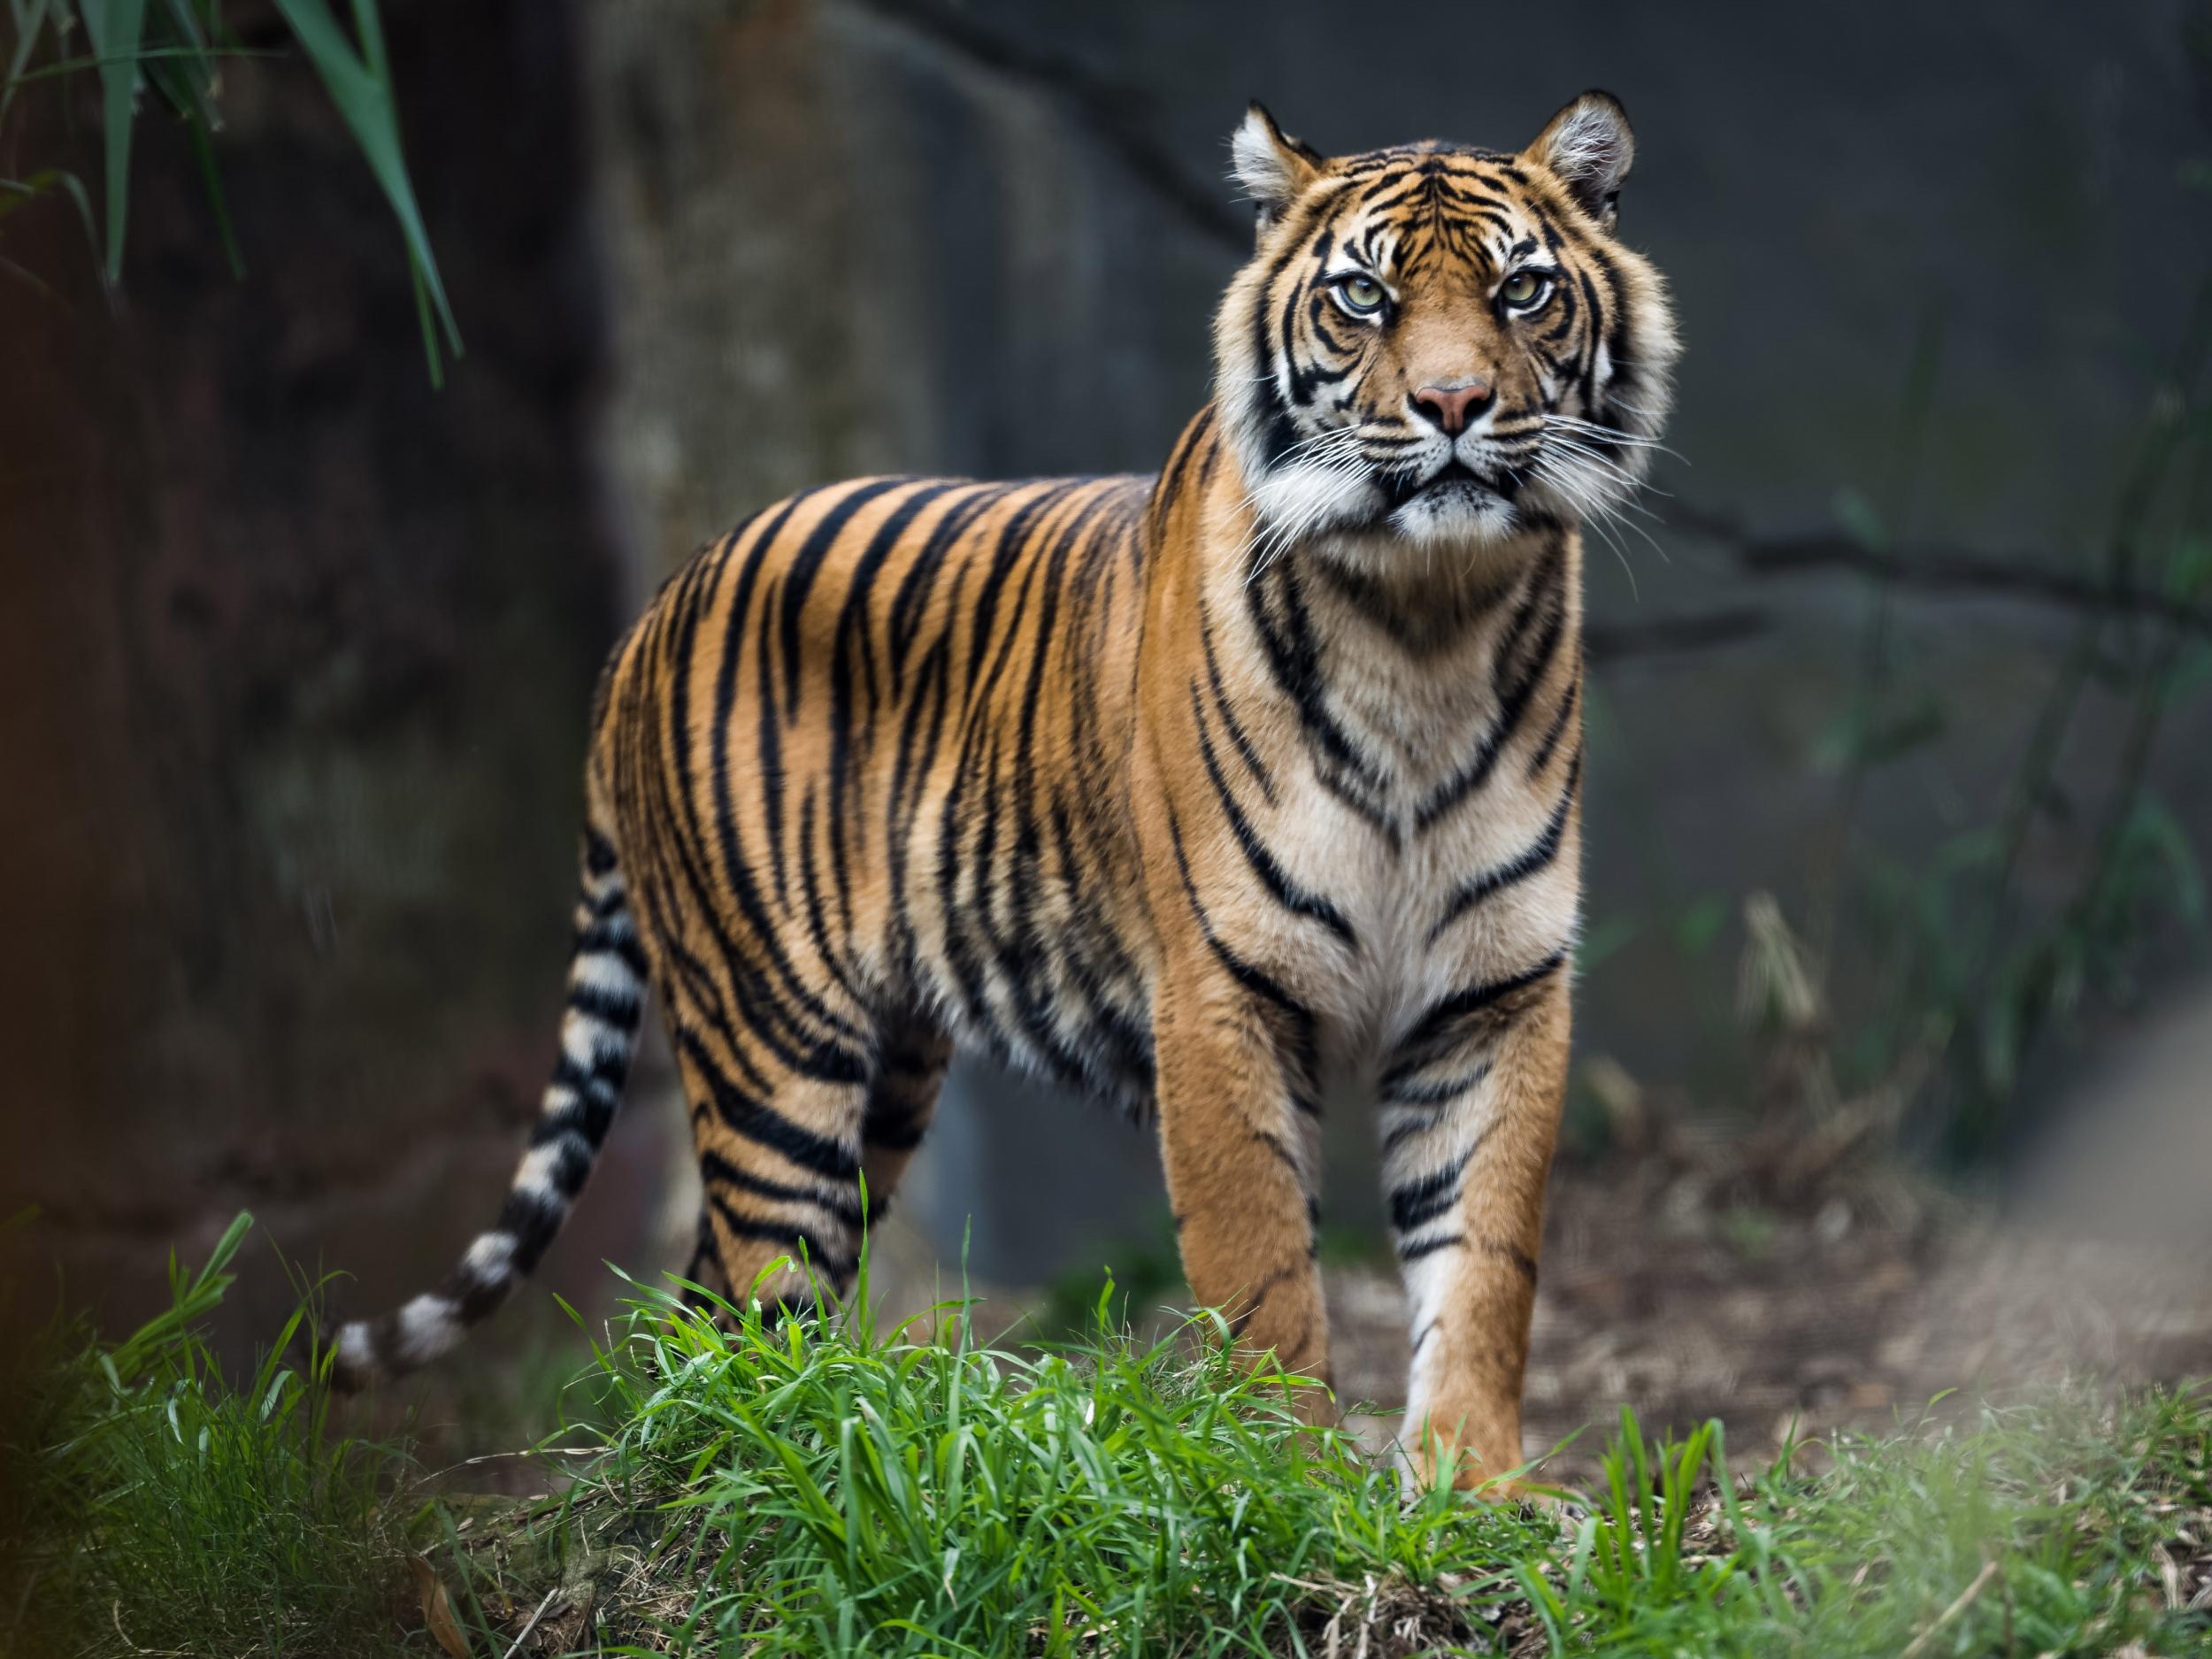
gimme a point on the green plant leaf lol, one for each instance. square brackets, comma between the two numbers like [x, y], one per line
[116, 26]
[181, 70]
[30, 22]
[360, 84]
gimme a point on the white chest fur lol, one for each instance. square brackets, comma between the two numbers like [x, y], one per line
[1428, 766]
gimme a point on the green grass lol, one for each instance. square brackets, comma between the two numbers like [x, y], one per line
[826, 1488]
[813, 1490]
[151, 1503]
[824, 1491]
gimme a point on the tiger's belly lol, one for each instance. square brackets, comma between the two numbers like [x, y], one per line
[1026, 941]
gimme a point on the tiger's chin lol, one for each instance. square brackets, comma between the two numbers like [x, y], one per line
[1458, 525]
[1458, 509]
[1455, 529]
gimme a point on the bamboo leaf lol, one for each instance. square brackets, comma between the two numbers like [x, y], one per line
[116, 26]
[30, 22]
[359, 83]
[188, 23]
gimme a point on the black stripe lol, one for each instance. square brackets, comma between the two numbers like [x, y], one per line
[1440, 1018]
[601, 1079]
[601, 938]
[763, 1125]
[805, 565]
[599, 856]
[1013, 541]
[1169, 489]
[901, 1133]
[768, 772]
[1547, 586]
[1297, 900]
[582, 1115]
[1302, 1036]
[909, 604]
[805, 1250]
[1417, 1203]
[1414, 1249]
[533, 1219]
[572, 1166]
[679, 862]
[1293, 660]
[1404, 1092]
[1528, 862]
[811, 891]
[1523, 1263]
[1541, 758]
[853, 629]
[622, 1009]
[1229, 721]
[932, 694]
[841, 1204]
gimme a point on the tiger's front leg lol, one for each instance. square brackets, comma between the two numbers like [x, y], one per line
[1238, 1138]
[1470, 1112]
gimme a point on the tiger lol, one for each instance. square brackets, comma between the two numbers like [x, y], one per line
[1218, 795]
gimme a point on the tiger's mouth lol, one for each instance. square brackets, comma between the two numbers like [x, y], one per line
[1454, 479]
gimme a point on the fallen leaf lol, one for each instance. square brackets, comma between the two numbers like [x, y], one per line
[437, 1609]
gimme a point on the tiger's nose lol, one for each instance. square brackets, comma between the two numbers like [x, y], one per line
[1452, 407]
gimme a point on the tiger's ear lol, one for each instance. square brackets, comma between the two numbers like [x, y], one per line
[1588, 148]
[1270, 165]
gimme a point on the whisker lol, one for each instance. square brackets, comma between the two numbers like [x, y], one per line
[1602, 522]
[1594, 457]
[1634, 440]
[1568, 474]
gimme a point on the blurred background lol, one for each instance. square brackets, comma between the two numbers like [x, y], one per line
[1894, 1049]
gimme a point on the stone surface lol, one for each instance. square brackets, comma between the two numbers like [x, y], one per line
[304, 648]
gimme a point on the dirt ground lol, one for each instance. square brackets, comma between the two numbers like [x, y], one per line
[1667, 1289]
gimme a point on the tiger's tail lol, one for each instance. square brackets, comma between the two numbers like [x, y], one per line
[607, 978]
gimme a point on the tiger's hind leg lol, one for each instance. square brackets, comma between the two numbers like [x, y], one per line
[705, 1287]
[777, 1098]
[909, 1076]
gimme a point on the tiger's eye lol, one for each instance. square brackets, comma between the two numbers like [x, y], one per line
[1361, 292]
[1525, 287]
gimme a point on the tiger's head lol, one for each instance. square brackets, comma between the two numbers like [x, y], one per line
[1437, 346]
